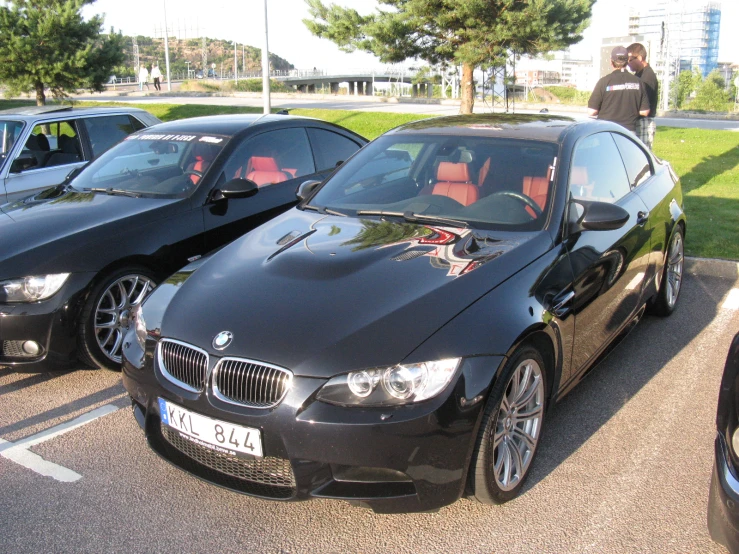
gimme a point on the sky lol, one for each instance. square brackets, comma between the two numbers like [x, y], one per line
[243, 21]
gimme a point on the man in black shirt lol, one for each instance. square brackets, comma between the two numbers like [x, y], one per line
[619, 96]
[638, 64]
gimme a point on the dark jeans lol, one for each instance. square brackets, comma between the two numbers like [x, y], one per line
[156, 83]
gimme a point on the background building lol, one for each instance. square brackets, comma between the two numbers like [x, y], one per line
[557, 68]
[683, 33]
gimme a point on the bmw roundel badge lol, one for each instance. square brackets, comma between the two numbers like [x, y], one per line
[222, 340]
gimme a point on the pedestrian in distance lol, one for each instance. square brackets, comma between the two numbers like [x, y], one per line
[619, 96]
[143, 78]
[156, 75]
[638, 64]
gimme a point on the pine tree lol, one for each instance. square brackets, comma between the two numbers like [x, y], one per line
[47, 44]
[468, 32]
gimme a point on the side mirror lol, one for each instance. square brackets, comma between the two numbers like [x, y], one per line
[596, 216]
[236, 188]
[306, 188]
[23, 162]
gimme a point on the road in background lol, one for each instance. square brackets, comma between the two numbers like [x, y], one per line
[365, 105]
[624, 465]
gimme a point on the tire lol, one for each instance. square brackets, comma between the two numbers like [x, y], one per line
[498, 471]
[672, 277]
[106, 316]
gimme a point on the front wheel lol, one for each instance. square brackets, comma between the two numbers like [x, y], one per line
[107, 315]
[510, 431]
[672, 277]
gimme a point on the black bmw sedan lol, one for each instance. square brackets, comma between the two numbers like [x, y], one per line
[723, 499]
[76, 259]
[396, 339]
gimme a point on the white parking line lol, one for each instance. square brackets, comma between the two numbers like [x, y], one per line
[732, 300]
[18, 451]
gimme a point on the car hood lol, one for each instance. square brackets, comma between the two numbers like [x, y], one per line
[56, 227]
[322, 295]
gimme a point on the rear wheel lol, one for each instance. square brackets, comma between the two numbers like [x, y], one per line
[107, 315]
[510, 431]
[672, 276]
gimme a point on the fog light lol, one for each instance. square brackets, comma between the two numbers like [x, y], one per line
[31, 348]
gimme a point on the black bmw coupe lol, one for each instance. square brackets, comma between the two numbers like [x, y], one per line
[396, 339]
[76, 259]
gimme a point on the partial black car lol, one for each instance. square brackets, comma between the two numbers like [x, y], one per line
[41, 145]
[723, 498]
[396, 339]
[76, 259]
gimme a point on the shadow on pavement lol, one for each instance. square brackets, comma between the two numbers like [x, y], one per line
[101, 396]
[618, 378]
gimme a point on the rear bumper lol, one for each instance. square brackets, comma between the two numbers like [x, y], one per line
[392, 460]
[723, 500]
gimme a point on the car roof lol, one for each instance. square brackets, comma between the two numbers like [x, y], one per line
[227, 124]
[27, 113]
[519, 126]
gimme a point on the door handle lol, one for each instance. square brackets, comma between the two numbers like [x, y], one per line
[561, 307]
[642, 217]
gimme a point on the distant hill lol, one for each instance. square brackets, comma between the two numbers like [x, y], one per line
[181, 51]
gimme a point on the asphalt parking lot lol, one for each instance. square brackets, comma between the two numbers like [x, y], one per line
[624, 464]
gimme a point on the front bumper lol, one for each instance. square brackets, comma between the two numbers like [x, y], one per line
[51, 323]
[723, 500]
[402, 459]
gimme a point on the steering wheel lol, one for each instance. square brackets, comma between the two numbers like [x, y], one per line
[527, 200]
[198, 174]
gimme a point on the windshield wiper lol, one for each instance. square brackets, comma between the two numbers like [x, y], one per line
[418, 218]
[114, 192]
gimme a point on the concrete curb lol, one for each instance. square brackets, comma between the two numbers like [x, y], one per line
[711, 267]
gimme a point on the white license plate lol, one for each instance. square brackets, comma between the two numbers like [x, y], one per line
[215, 434]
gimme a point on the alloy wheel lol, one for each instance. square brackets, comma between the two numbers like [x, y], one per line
[674, 269]
[518, 426]
[114, 309]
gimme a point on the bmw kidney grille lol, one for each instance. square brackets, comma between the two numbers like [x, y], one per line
[235, 380]
[250, 383]
[183, 364]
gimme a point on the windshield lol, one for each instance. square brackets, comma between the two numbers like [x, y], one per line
[153, 164]
[9, 132]
[480, 182]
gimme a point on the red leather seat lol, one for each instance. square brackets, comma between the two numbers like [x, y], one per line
[453, 180]
[536, 188]
[203, 154]
[264, 171]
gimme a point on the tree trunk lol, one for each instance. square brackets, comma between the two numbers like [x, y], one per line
[468, 89]
[40, 96]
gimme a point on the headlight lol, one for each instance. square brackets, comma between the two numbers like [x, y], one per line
[140, 325]
[391, 386]
[31, 289]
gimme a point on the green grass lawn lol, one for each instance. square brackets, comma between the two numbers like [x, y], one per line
[708, 165]
[706, 160]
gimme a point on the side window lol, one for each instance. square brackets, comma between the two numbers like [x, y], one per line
[55, 143]
[635, 160]
[107, 131]
[330, 148]
[272, 157]
[597, 172]
[136, 124]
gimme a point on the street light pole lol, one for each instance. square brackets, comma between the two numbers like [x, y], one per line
[166, 45]
[236, 67]
[265, 66]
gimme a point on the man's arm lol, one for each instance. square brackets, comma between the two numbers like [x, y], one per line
[592, 112]
[644, 107]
